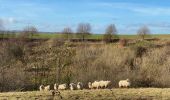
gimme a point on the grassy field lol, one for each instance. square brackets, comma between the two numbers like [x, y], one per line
[114, 94]
[95, 36]
[100, 36]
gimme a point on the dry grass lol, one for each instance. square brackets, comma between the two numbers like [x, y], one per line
[114, 94]
[144, 63]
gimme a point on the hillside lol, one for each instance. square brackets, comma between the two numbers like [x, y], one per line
[26, 65]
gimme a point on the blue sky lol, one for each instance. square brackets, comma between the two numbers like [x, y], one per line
[54, 15]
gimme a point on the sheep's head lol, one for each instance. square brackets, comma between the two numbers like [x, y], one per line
[109, 82]
[48, 86]
[42, 86]
[127, 80]
[56, 84]
[89, 84]
[79, 83]
[65, 85]
[72, 84]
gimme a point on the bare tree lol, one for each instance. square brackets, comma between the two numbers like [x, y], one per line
[143, 32]
[67, 33]
[83, 30]
[111, 31]
[2, 28]
[29, 31]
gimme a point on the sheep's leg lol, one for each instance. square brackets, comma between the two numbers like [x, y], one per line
[105, 86]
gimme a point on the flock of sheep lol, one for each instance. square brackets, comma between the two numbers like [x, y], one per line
[79, 86]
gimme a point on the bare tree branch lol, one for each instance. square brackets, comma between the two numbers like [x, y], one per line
[143, 31]
[111, 31]
[67, 33]
[83, 30]
[29, 31]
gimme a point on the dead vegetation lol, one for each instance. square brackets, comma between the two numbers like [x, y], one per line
[25, 67]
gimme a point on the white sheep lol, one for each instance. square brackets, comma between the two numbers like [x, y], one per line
[79, 85]
[104, 84]
[55, 86]
[47, 88]
[90, 85]
[101, 84]
[72, 86]
[41, 88]
[62, 87]
[124, 83]
[96, 84]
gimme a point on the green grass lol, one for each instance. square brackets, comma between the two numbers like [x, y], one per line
[93, 36]
[114, 94]
[100, 36]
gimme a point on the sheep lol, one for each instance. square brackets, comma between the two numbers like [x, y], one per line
[47, 88]
[79, 85]
[96, 84]
[99, 84]
[55, 86]
[90, 85]
[72, 86]
[104, 84]
[41, 88]
[124, 83]
[62, 87]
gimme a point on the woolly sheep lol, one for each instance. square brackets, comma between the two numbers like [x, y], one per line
[90, 85]
[124, 83]
[55, 86]
[104, 84]
[79, 85]
[47, 88]
[41, 88]
[96, 84]
[72, 86]
[62, 87]
[99, 84]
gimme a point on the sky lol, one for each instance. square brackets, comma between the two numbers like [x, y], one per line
[54, 15]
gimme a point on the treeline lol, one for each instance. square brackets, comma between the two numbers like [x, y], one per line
[83, 32]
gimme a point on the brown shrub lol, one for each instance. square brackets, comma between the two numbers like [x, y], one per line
[123, 42]
[145, 67]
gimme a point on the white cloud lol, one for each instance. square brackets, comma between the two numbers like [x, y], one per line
[152, 10]
[134, 7]
[151, 24]
[9, 20]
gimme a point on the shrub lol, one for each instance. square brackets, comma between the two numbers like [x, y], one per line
[123, 42]
[15, 50]
[138, 50]
[65, 64]
[107, 38]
